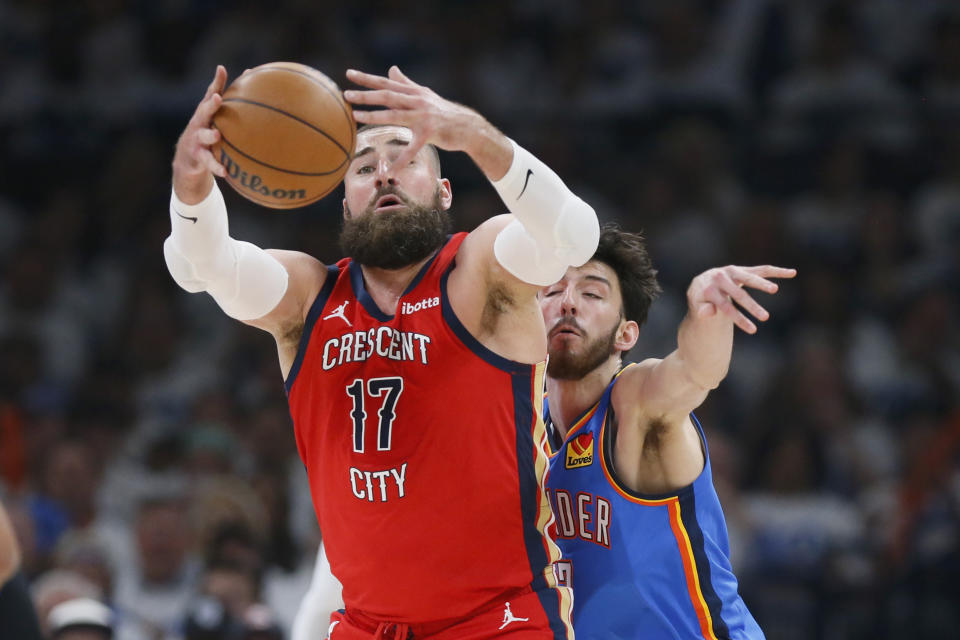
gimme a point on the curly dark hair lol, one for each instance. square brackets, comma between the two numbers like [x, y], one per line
[626, 253]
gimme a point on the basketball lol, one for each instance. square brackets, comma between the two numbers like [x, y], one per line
[286, 135]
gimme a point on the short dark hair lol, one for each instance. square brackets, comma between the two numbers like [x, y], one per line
[626, 253]
[434, 154]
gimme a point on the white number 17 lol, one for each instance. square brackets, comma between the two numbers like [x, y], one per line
[393, 387]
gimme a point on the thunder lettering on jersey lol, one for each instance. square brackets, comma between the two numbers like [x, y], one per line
[426, 453]
[641, 566]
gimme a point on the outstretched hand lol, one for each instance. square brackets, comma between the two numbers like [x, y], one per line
[431, 118]
[715, 290]
[193, 162]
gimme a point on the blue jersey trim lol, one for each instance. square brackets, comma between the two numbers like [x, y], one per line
[364, 297]
[688, 515]
[579, 422]
[504, 364]
[703, 438]
[554, 441]
[333, 272]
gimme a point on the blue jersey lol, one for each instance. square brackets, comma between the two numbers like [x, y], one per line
[641, 566]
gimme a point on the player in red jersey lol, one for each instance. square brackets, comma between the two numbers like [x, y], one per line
[414, 368]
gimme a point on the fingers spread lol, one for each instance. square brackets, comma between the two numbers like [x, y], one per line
[395, 74]
[410, 152]
[769, 271]
[748, 278]
[724, 288]
[378, 82]
[384, 116]
[380, 97]
[729, 283]
[744, 300]
[738, 318]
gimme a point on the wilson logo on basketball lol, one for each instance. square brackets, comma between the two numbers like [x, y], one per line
[255, 183]
[580, 451]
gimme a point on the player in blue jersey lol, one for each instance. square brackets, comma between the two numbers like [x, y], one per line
[638, 520]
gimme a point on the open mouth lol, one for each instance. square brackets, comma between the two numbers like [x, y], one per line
[388, 202]
[564, 330]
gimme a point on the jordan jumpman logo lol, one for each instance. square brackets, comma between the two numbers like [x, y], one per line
[508, 616]
[339, 312]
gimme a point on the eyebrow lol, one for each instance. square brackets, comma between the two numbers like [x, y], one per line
[396, 141]
[598, 279]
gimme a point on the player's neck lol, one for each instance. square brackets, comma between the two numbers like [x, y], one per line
[569, 399]
[386, 286]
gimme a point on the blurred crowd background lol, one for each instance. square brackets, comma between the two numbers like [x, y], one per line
[146, 452]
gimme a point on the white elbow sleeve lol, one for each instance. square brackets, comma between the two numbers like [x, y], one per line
[245, 280]
[563, 228]
[518, 252]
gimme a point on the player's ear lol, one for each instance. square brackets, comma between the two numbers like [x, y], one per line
[346, 211]
[627, 335]
[446, 193]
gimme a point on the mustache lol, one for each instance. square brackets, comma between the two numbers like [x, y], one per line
[567, 322]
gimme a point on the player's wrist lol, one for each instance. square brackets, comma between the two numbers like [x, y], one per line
[490, 149]
[193, 200]
[193, 190]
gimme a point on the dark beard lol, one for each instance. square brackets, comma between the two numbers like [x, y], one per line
[396, 239]
[564, 365]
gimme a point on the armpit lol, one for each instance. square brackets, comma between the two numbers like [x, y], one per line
[290, 335]
[499, 301]
[653, 439]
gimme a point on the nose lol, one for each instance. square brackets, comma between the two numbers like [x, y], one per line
[568, 303]
[385, 173]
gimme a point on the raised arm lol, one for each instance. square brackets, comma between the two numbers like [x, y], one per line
[551, 228]
[657, 445]
[267, 289]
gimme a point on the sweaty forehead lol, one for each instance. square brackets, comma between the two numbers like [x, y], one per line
[382, 136]
[594, 271]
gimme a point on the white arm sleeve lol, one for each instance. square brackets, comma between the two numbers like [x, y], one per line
[322, 598]
[245, 280]
[554, 229]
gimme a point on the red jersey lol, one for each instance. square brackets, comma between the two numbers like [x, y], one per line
[425, 451]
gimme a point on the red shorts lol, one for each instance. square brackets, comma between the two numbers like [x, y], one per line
[528, 615]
